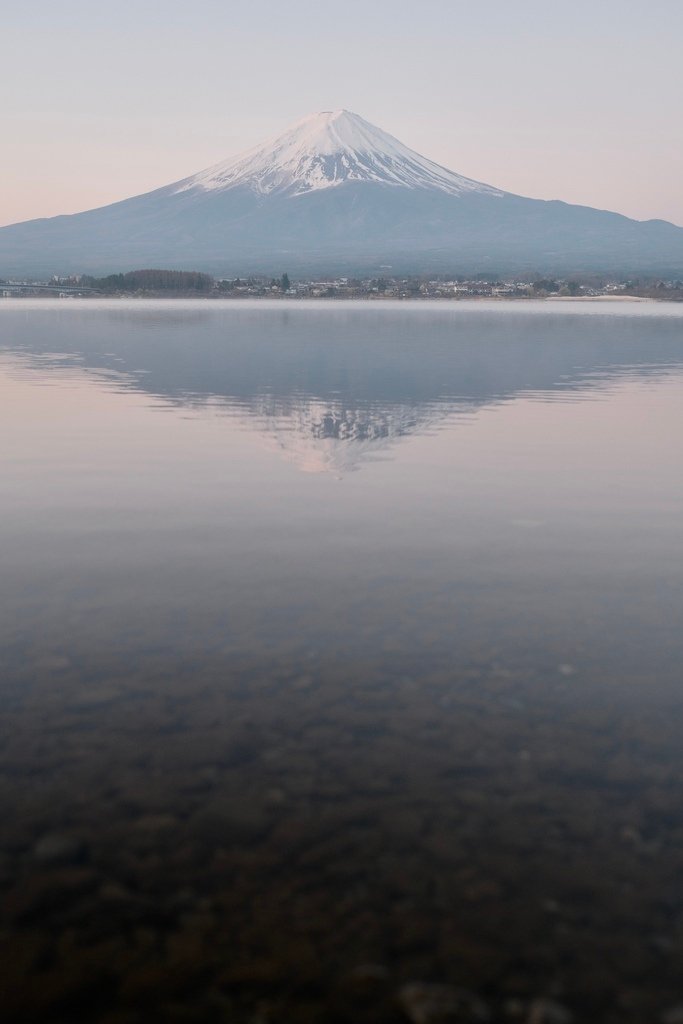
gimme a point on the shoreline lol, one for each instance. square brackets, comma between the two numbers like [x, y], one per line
[311, 299]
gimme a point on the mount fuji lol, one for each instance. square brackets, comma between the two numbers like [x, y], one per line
[336, 194]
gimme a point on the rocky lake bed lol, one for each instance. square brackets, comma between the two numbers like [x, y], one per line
[480, 846]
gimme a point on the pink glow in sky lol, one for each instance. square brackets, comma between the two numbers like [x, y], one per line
[576, 103]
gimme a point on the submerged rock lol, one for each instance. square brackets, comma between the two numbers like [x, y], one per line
[674, 1015]
[57, 848]
[433, 1004]
[546, 1011]
[367, 980]
[231, 820]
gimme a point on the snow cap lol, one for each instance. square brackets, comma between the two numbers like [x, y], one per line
[326, 150]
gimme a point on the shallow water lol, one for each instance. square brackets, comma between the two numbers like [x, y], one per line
[341, 651]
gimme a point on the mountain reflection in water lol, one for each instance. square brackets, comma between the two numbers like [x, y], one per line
[332, 390]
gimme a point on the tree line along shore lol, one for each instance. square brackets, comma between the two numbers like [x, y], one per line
[190, 283]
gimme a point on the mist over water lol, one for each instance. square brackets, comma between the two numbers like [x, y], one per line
[341, 637]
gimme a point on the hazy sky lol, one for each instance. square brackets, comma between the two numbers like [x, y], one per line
[575, 101]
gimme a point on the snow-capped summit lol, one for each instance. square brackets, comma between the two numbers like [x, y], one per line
[324, 150]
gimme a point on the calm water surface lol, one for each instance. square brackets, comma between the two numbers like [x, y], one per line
[341, 653]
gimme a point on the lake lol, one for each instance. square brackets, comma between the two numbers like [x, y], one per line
[341, 652]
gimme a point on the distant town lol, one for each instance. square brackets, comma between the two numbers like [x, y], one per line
[176, 283]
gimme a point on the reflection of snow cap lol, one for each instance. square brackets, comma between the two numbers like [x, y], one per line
[328, 437]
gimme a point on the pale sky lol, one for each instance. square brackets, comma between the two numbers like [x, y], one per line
[578, 101]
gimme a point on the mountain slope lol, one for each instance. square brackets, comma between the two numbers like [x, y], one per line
[334, 194]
